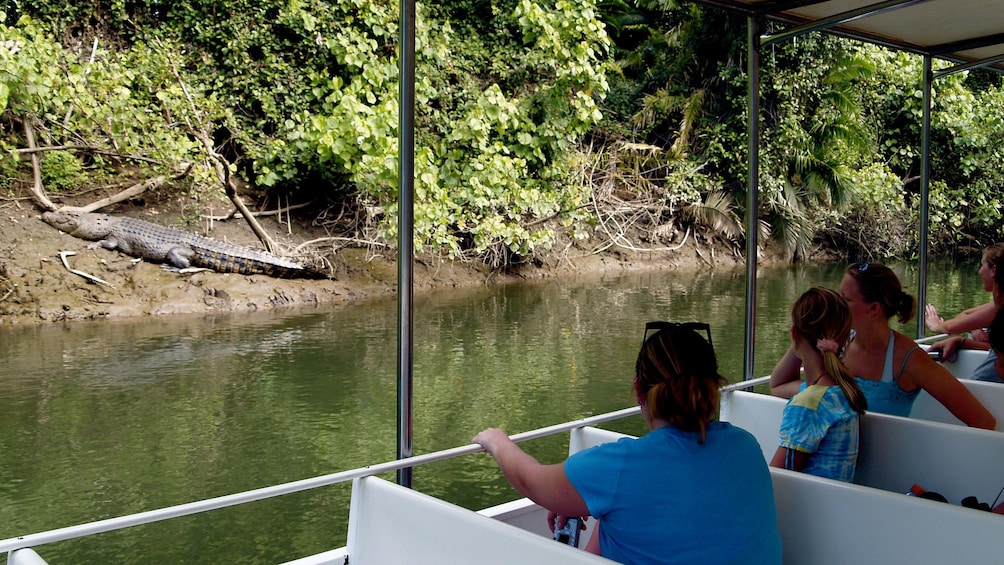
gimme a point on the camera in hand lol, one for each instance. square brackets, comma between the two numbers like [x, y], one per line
[569, 533]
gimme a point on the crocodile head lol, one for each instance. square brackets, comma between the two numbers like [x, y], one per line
[82, 225]
[63, 221]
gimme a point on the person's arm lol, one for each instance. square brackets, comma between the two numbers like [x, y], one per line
[974, 318]
[780, 459]
[594, 541]
[786, 379]
[547, 485]
[970, 343]
[949, 347]
[947, 390]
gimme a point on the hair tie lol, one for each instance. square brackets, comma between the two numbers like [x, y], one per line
[824, 345]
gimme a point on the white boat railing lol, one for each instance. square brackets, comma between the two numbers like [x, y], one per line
[932, 338]
[122, 522]
[111, 524]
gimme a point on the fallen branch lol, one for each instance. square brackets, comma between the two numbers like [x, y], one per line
[618, 237]
[221, 165]
[348, 239]
[64, 254]
[36, 167]
[276, 212]
[131, 192]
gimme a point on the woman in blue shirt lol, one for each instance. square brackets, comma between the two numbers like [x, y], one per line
[692, 490]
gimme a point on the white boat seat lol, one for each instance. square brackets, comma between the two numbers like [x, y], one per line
[26, 556]
[896, 452]
[990, 395]
[822, 522]
[965, 362]
[391, 524]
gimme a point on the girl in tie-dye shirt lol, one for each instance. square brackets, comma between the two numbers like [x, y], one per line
[820, 426]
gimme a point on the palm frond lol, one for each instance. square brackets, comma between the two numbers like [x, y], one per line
[716, 212]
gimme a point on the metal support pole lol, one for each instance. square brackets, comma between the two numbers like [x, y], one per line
[925, 187]
[406, 237]
[752, 197]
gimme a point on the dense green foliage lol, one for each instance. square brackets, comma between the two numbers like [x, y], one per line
[840, 140]
[311, 88]
[301, 98]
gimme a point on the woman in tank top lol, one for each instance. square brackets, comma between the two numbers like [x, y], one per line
[889, 366]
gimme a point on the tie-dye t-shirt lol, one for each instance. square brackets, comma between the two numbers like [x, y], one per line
[819, 421]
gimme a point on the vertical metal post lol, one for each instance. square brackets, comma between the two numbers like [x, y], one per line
[405, 237]
[752, 197]
[925, 187]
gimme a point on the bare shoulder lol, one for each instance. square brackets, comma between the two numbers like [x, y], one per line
[918, 370]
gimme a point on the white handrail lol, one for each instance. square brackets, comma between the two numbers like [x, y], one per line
[931, 338]
[743, 385]
[121, 522]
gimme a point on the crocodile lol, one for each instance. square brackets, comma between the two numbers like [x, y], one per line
[180, 249]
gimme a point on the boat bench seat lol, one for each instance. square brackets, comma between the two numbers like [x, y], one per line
[896, 453]
[990, 394]
[965, 362]
[824, 522]
[391, 524]
[26, 556]
[821, 520]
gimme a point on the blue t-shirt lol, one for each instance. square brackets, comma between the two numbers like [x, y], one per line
[819, 421]
[665, 498]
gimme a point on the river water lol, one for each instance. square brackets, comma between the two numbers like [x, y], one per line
[105, 418]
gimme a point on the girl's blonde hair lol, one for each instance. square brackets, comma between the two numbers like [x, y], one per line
[822, 316]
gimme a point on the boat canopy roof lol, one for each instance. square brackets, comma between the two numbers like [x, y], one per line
[961, 31]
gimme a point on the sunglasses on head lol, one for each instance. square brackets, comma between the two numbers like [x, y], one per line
[863, 267]
[678, 326]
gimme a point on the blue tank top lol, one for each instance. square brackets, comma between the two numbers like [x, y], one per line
[885, 395]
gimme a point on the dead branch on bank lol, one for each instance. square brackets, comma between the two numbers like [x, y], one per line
[630, 204]
[220, 164]
[335, 238]
[131, 192]
[277, 212]
[64, 254]
[37, 189]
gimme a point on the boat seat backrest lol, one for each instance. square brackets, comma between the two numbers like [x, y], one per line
[26, 556]
[391, 524]
[965, 362]
[895, 453]
[824, 522]
[990, 394]
[759, 414]
[954, 461]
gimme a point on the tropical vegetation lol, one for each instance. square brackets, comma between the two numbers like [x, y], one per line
[619, 123]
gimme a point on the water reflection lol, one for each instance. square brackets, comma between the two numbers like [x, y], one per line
[114, 417]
